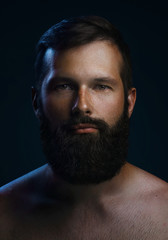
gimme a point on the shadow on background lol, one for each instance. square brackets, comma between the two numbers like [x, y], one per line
[144, 27]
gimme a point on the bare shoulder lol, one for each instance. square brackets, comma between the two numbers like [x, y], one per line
[142, 176]
[13, 197]
[156, 204]
[148, 185]
[21, 187]
[143, 205]
[22, 184]
[152, 192]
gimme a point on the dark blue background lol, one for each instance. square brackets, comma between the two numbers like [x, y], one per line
[144, 25]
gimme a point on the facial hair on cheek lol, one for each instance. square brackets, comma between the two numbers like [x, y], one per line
[86, 158]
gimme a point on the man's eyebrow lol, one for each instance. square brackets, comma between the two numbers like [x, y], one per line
[61, 79]
[106, 80]
[102, 79]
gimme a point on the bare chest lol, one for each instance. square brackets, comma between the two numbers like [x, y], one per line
[88, 224]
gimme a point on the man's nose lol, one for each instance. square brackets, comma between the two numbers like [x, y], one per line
[82, 103]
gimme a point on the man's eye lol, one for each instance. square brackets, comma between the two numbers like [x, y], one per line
[102, 87]
[63, 87]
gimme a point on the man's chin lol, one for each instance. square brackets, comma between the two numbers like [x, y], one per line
[86, 155]
[85, 160]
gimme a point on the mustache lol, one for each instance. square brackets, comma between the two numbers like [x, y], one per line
[99, 123]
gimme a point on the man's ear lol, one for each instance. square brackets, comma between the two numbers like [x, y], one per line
[35, 103]
[131, 100]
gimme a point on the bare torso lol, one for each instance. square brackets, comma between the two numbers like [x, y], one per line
[139, 212]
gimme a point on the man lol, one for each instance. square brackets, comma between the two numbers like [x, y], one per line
[83, 98]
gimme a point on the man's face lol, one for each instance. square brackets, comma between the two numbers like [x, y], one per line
[85, 78]
[84, 124]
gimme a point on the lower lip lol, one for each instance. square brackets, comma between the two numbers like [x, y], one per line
[85, 130]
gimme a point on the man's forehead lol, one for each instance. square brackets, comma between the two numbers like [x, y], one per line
[51, 53]
[101, 52]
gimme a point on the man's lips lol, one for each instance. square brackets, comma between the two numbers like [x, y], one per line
[83, 125]
[84, 128]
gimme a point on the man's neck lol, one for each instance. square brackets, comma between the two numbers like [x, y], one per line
[58, 188]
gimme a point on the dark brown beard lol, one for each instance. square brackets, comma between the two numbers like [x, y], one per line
[86, 158]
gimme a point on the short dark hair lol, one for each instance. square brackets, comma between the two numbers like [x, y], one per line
[78, 31]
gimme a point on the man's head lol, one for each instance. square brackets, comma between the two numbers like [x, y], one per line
[85, 99]
[80, 31]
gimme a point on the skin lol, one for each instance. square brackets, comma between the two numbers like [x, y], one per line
[40, 205]
[95, 88]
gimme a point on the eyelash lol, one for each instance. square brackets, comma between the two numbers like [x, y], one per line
[62, 87]
[71, 87]
[102, 87]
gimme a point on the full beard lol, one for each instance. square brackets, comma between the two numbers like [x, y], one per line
[89, 158]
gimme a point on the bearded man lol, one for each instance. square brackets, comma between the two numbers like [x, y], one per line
[84, 98]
